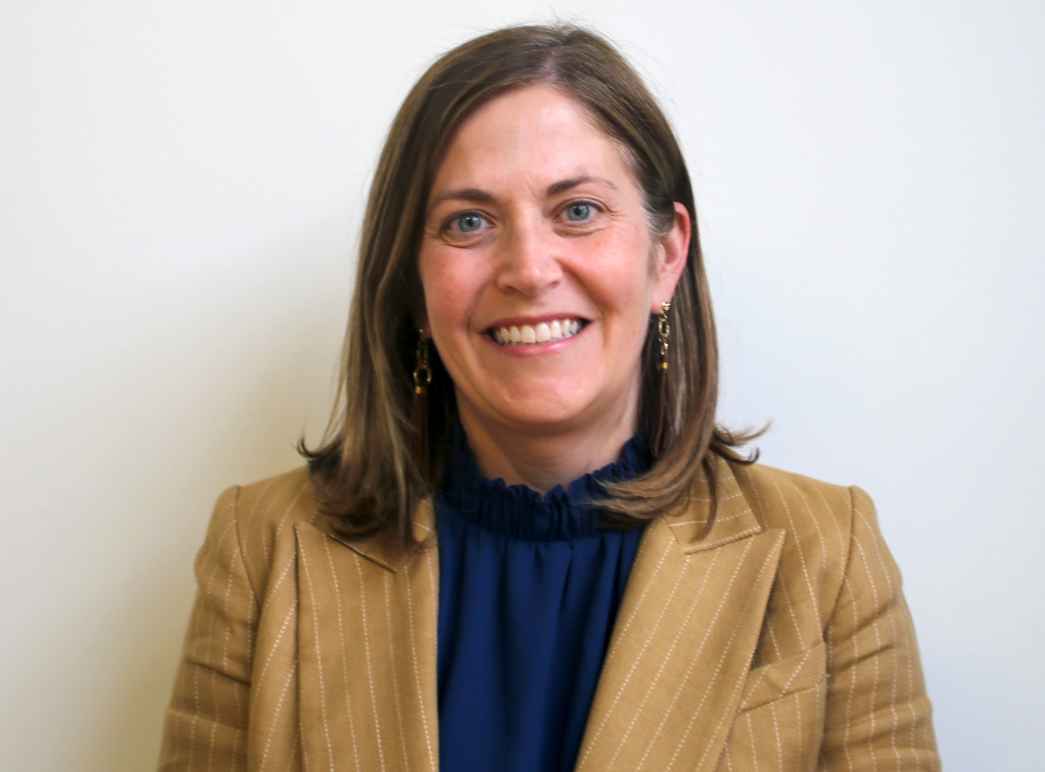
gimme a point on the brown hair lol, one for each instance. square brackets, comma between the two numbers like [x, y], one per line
[384, 448]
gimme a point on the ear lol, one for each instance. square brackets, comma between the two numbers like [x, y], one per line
[671, 253]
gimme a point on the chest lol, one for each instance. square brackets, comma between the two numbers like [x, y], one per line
[358, 645]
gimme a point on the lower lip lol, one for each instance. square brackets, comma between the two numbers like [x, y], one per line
[536, 349]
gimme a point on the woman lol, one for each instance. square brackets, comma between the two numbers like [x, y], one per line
[524, 544]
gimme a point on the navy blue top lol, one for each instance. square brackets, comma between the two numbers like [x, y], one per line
[529, 588]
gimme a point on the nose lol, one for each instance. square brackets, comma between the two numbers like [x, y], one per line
[527, 261]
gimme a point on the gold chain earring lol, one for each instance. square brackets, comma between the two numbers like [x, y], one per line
[664, 334]
[422, 372]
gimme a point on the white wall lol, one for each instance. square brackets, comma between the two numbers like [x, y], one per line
[181, 185]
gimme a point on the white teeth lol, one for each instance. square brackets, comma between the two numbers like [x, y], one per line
[542, 332]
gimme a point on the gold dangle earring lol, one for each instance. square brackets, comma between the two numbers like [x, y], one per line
[422, 372]
[664, 334]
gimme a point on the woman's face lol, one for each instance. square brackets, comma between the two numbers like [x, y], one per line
[539, 269]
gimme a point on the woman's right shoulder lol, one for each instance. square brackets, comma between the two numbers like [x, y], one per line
[257, 520]
[270, 504]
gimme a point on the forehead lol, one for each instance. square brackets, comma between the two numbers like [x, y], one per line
[537, 133]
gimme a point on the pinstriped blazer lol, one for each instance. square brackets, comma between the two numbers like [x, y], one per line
[780, 641]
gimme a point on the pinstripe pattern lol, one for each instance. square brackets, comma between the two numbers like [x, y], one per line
[342, 649]
[400, 726]
[780, 641]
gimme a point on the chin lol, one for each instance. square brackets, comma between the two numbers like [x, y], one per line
[543, 421]
[541, 415]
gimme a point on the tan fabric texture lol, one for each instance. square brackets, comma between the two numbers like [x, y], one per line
[780, 641]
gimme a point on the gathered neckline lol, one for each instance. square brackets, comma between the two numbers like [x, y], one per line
[563, 513]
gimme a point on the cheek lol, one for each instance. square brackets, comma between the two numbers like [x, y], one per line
[449, 289]
[619, 273]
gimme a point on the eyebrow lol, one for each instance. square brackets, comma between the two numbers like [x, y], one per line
[479, 196]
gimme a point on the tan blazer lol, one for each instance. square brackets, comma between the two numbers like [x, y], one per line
[781, 641]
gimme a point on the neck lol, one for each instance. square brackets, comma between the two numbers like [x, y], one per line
[542, 459]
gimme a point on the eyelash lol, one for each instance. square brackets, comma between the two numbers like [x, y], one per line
[446, 227]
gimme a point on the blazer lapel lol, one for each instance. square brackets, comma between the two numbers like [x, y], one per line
[682, 644]
[670, 685]
[367, 644]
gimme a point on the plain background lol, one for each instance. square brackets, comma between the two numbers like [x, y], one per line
[181, 187]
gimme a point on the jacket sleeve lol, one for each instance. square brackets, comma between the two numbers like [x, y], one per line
[878, 716]
[206, 721]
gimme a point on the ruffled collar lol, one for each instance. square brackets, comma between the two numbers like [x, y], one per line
[520, 512]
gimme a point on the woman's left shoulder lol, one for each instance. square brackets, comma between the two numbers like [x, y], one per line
[819, 518]
[781, 498]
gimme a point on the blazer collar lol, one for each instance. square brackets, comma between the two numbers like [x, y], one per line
[733, 520]
[384, 548]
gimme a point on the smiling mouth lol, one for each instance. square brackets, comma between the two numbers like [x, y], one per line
[533, 334]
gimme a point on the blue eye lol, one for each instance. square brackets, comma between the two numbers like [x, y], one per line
[469, 222]
[579, 211]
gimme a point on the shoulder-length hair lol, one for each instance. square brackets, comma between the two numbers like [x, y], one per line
[385, 448]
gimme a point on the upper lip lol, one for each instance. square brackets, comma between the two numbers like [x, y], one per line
[532, 321]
